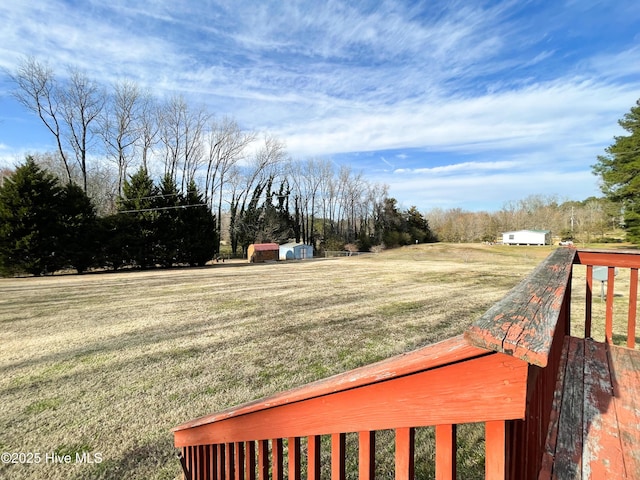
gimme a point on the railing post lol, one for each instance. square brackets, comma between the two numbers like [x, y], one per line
[338, 443]
[445, 452]
[250, 460]
[220, 462]
[588, 305]
[229, 461]
[277, 454]
[184, 463]
[313, 457]
[633, 298]
[212, 465]
[238, 458]
[609, 315]
[404, 453]
[293, 453]
[495, 449]
[566, 311]
[263, 460]
[366, 455]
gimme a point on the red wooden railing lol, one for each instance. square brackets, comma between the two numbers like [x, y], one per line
[421, 388]
[612, 260]
[502, 373]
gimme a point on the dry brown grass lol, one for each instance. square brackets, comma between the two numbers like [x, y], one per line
[109, 363]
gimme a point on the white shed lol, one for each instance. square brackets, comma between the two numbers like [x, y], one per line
[527, 237]
[295, 251]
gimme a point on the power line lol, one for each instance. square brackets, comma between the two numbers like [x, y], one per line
[163, 208]
[159, 195]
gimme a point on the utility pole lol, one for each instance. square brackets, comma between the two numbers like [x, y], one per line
[572, 220]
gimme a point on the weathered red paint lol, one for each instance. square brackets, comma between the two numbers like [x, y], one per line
[405, 442]
[484, 388]
[338, 446]
[595, 428]
[524, 322]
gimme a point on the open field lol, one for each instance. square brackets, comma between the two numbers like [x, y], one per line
[106, 364]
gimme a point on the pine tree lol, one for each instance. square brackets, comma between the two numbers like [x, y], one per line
[30, 227]
[198, 225]
[418, 226]
[79, 245]
[137, 203]
[169, 236]
[620, 172]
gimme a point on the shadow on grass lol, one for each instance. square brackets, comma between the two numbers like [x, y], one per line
[156, 459]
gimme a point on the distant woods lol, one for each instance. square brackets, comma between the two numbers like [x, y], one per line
[47, 224]
[591, 220]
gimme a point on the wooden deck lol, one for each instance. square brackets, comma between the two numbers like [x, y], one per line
[553, 406]
[595, 422]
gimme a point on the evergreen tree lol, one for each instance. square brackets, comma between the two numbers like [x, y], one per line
[30, 227]
[79, 240]
[418, 226]
[169, 236]
[397, 228]
[620, 172]
[247, 221]
[274, 222]
[198, 228]
[116, 232]
[137, 202]
[393, 225]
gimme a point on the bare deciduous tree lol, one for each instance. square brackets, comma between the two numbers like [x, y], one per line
[181, 129]
[264, 166]
[120, 127]
[226, 146]
[82, 101]
[38, 91]
[148, 128]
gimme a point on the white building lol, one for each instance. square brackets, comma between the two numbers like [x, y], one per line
[527, 237]
[295, 251]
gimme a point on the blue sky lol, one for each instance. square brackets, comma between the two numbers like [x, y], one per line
[460, 104]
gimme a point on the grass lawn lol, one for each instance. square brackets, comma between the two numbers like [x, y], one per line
[104, 365]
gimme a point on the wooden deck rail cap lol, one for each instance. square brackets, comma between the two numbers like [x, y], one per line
[523, 323]
[624, 258]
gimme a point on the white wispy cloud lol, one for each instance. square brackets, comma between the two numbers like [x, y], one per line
[468, 167]
[488, 191]
[491, 81]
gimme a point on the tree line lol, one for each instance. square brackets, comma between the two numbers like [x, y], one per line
[590, 220]
[47, 225]
[104, 133]
[130, 128]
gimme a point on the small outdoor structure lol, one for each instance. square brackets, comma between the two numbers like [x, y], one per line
[527, 237]
[295, 251]
[263, 252]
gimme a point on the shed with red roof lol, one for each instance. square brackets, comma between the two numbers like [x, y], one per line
[263, 252]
